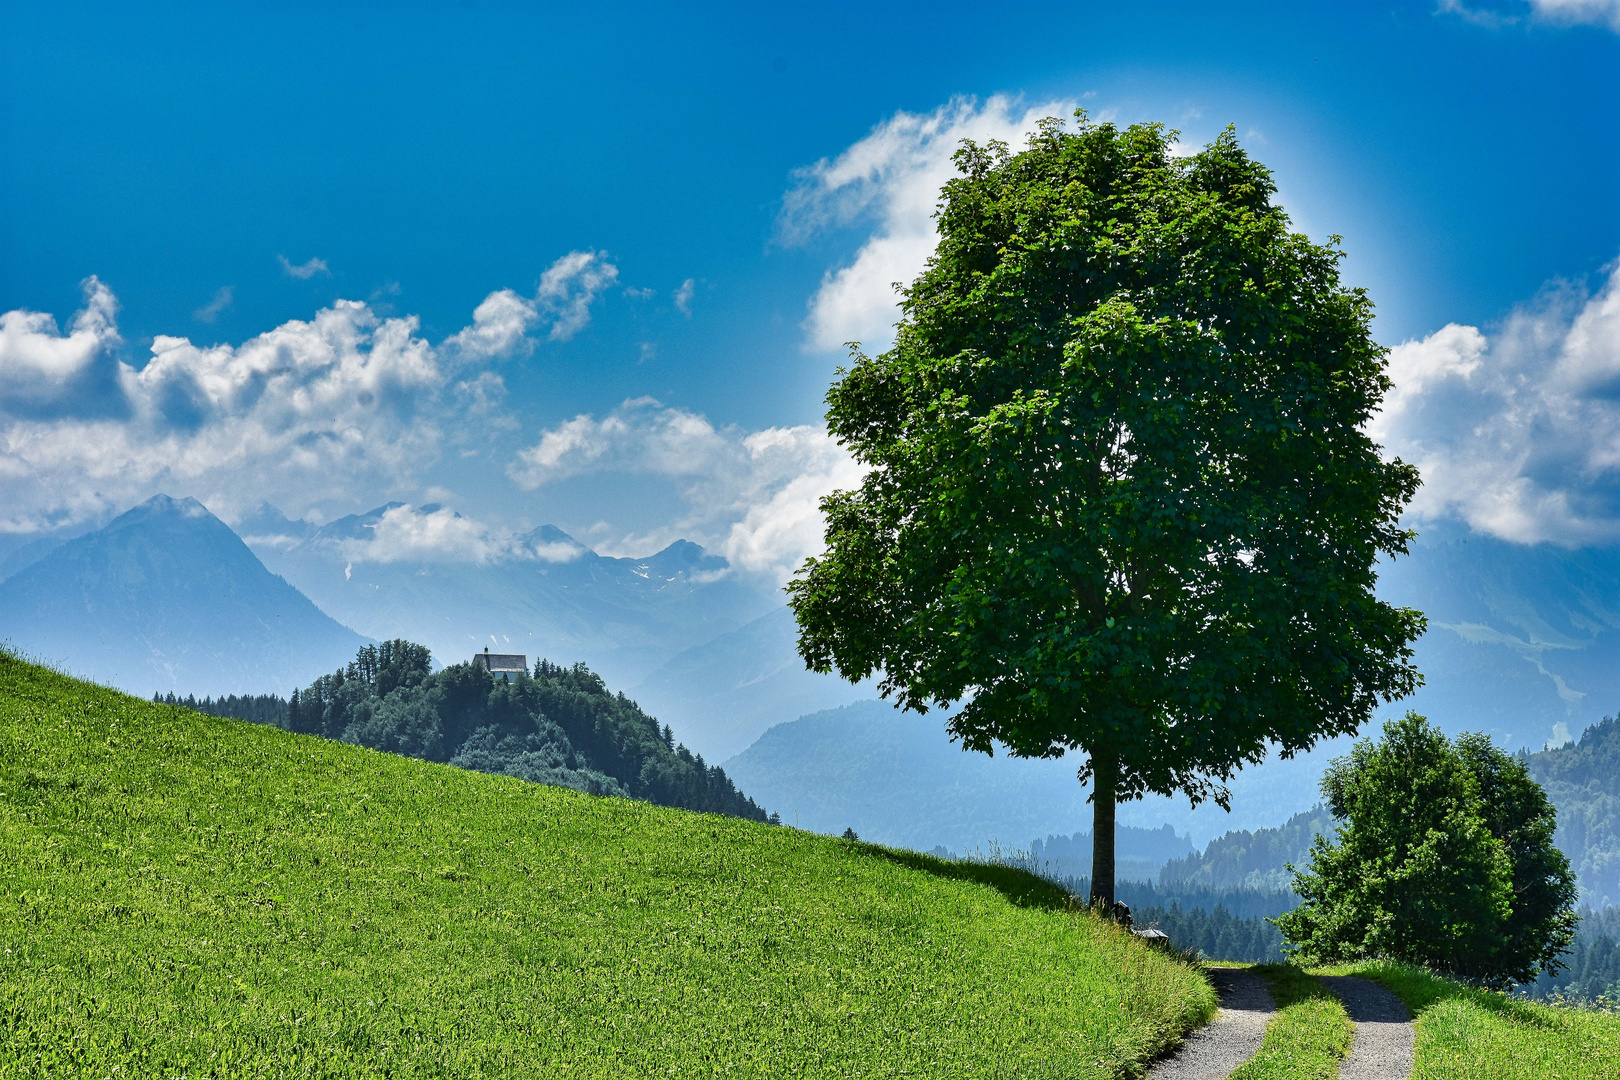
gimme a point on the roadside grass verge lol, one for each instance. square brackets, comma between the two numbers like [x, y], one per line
[1307, 1037]
[1465, 1033]
[182, 895]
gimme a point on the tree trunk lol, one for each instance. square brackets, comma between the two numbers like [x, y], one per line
[1104, 781]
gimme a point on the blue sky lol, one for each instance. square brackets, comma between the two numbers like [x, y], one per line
[224, 171]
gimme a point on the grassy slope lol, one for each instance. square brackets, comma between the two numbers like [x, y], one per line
[186, 895]
[1467, 1034]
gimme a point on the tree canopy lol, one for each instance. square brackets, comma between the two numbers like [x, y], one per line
[1119, 498]
[1445, 859]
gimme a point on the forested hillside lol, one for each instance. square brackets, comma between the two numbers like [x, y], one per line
[1250, 860]
[1138, 853]
[545, 591]
[1592, 967]
[259, 708]
[1583, 781]
[561, 726]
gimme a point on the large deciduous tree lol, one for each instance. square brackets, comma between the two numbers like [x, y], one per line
[1119, 497]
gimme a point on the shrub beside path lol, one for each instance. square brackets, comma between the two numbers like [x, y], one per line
[1383, 1046]
[1239, 1027]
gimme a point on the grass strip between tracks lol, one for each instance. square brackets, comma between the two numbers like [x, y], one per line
[1309, 1035]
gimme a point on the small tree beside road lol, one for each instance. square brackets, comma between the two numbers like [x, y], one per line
[1119, 497]
[1445, 860]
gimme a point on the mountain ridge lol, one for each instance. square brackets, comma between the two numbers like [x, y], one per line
[166, 597]
[543, 592]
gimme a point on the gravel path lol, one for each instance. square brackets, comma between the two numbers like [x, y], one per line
[1213, 1051]
[1383, 1046]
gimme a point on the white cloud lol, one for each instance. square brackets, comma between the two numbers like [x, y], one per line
[683, 297]
[1491, 20]
[1554, 12]
[502, 322]
[892, 178]
[38, 364]
[500, 326]
[752, 496]
[438, 534]
[431, 535]
[569, 286]
[347, 406]
[308, 410]
[1516, 432]
[303, 271]
[1577, 12]
[210, 311]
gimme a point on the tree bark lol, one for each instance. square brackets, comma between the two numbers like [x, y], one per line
[1104, 782]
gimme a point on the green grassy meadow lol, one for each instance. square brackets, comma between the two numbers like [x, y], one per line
[187, 896]
[1469, 1034]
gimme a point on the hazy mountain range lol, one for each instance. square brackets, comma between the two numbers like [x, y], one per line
[166, 597]
[542, 593]
[1523, 643]
[896, 778]
[728, 691]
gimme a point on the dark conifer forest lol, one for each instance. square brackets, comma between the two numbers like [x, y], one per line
[259, 708]
[560, 726]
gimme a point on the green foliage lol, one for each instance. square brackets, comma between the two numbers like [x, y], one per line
[562, 727]
[1445, 859]
[1465, 1033]
[1119, 497]
[1583, 781]
[1309, 1035]
[191, 896]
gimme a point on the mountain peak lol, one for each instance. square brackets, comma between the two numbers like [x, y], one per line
[683, 556]
[355, 526]
[267, 521]
[185, 506]
[166, 512]
[168, 597]
[549, 534]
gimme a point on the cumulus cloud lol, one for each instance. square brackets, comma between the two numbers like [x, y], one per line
[310, 408]
[39, 365]
[890, 179]
[499, 328]
[683, 297]
[1516, 432]
[432, 534]
[404, 533]
[752, 496]
[569, 286]
[343, 406]
[303, 271]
